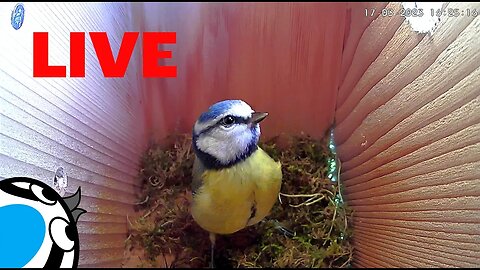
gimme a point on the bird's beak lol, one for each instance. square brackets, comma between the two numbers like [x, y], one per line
[257, 117]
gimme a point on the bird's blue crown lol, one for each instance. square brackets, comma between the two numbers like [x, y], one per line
[217, 109]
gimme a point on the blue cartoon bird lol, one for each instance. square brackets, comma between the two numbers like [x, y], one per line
[235, 183]
[38, 227]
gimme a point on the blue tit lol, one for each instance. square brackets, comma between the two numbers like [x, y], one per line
[235, 183]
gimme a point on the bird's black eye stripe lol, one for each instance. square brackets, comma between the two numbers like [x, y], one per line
[241, 120]
[230, 119]
[238, 120]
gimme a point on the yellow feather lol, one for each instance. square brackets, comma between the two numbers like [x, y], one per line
[223, 203]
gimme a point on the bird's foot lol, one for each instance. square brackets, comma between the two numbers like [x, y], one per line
[212, 250]
[212, 263]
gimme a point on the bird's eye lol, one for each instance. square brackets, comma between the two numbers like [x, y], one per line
[62, 234]
[44, 195]
[228, 121]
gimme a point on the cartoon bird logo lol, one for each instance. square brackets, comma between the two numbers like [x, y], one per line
[38, 228]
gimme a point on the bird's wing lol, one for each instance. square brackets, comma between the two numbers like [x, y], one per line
[197, 173]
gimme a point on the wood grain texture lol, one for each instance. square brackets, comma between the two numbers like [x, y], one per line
[407, 74]
[93, 127]
[372, 40]
[400, 45]
[355, 24]
[283, 58]
[408, 137]
[406, 108]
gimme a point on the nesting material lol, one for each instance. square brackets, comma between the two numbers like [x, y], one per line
[309, 226]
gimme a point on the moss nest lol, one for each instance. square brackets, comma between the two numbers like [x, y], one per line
[309, 226]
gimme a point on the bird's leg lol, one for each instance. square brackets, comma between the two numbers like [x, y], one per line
[212, 249]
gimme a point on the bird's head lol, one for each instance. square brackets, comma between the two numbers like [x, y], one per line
[226, 133]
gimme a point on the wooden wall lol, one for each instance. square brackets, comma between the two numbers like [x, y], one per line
[96, 128]
[408, 126]
[93, 127]
[283, 58]
[406, 107]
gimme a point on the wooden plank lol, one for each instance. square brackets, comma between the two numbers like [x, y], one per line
[465, 215]
[452, 247]
[433, 258]
[469, 187]
[85, 228]
[36, 120]
[111, 207]
[446, 227]
[69, 135]
[356, 23]
[90, 257]
[447, 114]
[385, 257]
[410, 77]
[465, 241]
[107, 264]
[273, 55]
[457, 157]
[462, 172]
[101, 241]
[27, 161]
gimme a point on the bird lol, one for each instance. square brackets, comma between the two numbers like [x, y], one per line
[235, 183]
[39, 226]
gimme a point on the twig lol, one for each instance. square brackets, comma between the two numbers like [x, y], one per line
[144, 201]
[129, 222]
[128, 238]
[300, 195]
[308, 202]
[339, 168]
[156, 183]
[313, 198]
[307, 195]
[165, 260]
[167, 222]
[349, 259]
[333, 221]
[151, 210]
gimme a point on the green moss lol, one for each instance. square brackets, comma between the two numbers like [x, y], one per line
[311, 207]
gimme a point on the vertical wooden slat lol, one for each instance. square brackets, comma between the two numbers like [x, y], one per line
[283, 58]
[408, 133]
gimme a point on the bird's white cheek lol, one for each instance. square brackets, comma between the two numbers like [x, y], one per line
[216, 147]
[226, 144]
[242, 139]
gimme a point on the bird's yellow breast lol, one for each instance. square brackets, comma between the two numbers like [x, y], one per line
[224, 202]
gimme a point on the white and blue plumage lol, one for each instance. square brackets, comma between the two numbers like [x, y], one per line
[226, 133]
